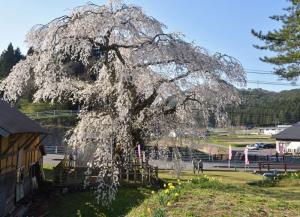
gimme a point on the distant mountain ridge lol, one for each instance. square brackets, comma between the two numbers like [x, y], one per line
[266, 108]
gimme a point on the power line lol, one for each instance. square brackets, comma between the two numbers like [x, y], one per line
[258, 70]
[273, 83]
[260, 73]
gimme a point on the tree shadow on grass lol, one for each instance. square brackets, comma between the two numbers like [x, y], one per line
[84, 203]
[48, 174]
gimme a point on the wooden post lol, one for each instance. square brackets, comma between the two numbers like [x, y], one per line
[149, 174]
[268, 166]
[259, 166]
[134, 174]
[285, 167]
[127, 175]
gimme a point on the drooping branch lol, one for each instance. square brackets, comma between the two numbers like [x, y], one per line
[128, 73]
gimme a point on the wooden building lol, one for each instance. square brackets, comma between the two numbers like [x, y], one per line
[20, 157]
[289, 140]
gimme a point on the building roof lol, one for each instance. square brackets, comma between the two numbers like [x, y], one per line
[12, 121]
[290, 134]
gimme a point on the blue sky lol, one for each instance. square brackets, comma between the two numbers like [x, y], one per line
[218, 25]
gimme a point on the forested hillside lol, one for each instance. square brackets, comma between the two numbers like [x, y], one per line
[264, 108]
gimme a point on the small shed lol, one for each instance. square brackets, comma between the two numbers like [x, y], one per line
[289, 139]
[20, 156]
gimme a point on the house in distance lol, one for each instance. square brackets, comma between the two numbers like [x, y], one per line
[21, 154]
[288, 140]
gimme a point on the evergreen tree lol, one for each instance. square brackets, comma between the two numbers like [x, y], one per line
[285, 42]
[265, 108]
[8, 59]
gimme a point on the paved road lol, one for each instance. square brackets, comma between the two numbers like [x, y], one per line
[222, 165]
[260, 152]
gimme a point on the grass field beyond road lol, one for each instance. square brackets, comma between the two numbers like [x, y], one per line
[239, 140]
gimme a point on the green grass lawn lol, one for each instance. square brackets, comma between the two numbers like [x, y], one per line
[84, 203]
[239, 140]
[231, 196]
[229, 177]
[228, 195]
[48, 171]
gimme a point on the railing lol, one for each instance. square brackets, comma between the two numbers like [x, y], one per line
[55, 150]
[52, 113]
[170, 153]
[277, 166]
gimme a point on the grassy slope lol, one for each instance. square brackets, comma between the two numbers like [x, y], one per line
[221, 141]
[234, 199]
[239, 140]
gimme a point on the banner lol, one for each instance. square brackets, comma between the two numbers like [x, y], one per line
[246, 156]
[229, 153]
[139, 151]
[281, 148]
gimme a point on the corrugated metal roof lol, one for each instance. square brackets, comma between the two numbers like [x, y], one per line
[290, 134]
[12, 121]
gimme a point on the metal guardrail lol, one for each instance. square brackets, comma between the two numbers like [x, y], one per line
[52, 113]
[55, 149]
[174, 154]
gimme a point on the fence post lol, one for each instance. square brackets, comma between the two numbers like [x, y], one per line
[55, 149]
[268, 166]
[134, 173]
[285, 167]
[127, 174]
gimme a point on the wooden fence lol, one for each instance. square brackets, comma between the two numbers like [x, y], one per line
[67, 175]
[277, 166]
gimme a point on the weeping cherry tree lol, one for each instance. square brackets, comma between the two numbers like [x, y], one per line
[129, 74]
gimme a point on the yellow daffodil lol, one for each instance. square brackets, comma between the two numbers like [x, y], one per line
[176, 194]
[167, 191]
[152, 192]
[169, 204]
[165, 185]
[172, 187]
[148, 210]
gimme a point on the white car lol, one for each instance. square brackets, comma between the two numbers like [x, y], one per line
[253, 147]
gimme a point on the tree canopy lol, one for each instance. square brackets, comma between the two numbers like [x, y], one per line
[266, 108]
[285, 42]
[8, 59]
[122, 67]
